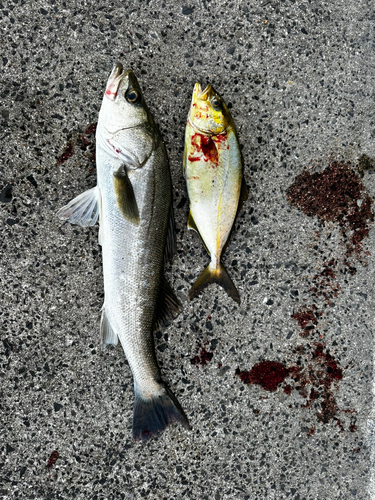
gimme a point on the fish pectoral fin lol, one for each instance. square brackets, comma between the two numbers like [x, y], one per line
[170, 244]
[168, 305]
[126, 201]
[107, 335]
[83, 209]
[217, 275]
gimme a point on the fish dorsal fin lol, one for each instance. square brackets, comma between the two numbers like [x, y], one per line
[125, 196]
[168, 305]
[170, 244]
[107, 335]
[83, 209]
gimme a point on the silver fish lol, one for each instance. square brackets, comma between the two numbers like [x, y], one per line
[133, 201]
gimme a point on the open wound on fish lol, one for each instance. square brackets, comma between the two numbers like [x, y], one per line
[215, 274]
[107, 335]
[125, 196]
[83, 209]
[167, 305]
[153, 414]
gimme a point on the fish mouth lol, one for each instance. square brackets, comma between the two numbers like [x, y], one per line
[202, 94]
[114, 81]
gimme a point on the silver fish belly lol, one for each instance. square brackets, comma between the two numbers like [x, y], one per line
[134, 199]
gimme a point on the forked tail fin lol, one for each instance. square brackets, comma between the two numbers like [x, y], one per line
[215, 274]
[152, 415]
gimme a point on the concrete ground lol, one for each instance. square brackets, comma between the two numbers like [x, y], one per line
[299, 78]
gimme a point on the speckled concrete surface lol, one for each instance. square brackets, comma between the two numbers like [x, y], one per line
[299, 78]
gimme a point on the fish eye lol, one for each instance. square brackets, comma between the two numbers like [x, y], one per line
[133, 96]
[215, 103]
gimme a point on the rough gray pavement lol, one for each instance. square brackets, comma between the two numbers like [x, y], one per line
[299, 77]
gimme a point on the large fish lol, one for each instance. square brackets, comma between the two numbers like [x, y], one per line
[213, 171]
[133, 201]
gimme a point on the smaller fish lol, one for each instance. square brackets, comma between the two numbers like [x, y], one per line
[214, 176]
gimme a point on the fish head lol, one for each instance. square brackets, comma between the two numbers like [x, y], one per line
[126, 128]
[123, 104]
[208, 111]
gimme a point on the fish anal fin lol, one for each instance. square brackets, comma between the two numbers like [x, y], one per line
[126, 201]
[168, 305]
[107, 335]
[83, 210]
[215, 274]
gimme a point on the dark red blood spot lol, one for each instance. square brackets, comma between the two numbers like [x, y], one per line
[348, 411]
[52, 459]
[68, 152]
[205, 145]
[336, 194]
[193, 158]
[305, 317]
[220, 138]
[353, 428]
[91, 129]
[219, 365]
[267, 374]
[313, 382]
[203, 357]
[311, 431]
[84, 141]
[339, 423]
[332, 370]
[288, 390]
[356, 450]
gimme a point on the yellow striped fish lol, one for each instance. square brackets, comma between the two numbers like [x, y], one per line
[214, 175]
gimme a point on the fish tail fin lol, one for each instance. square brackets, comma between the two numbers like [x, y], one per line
[215, 274]
[153, 414]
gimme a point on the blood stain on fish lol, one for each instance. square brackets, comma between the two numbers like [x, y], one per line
[205, 145]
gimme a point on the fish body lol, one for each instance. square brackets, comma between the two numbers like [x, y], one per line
[133, 201]
[213, 172]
